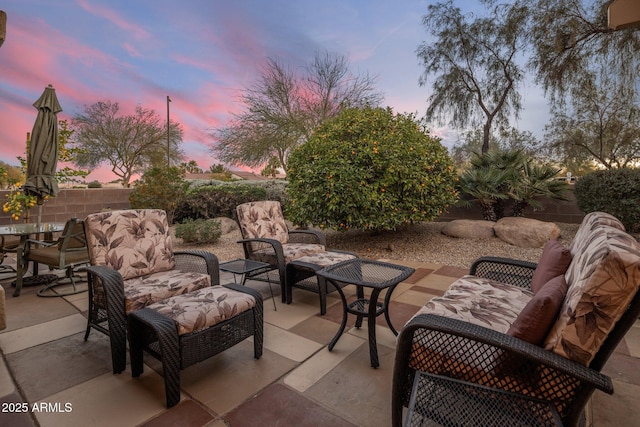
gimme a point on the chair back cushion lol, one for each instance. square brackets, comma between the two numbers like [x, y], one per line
[262, 219]
[603, 277]
[135, 242]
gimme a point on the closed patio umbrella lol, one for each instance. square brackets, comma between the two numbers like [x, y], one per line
[42, 154]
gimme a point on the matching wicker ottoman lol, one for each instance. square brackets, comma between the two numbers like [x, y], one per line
[301, 274]
[188, 328]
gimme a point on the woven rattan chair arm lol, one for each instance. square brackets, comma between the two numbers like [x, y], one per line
[514, 346]
[112, 284]
[319, 236]
[276, 244]
[200, 262]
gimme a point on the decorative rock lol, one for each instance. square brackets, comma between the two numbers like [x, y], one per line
[227, 225]
[469, 229]
[526, 232]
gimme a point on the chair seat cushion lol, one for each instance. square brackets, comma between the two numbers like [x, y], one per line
[291, 251]
[142, 291]
[51, 256]
[204, 308]
[480, 301]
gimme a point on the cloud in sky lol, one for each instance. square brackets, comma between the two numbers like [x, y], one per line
[201, 53]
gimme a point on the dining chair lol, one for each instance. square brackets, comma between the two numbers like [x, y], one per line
[67, 252]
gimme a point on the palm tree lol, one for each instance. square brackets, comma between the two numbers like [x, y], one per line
[484, 186]
[536, 180]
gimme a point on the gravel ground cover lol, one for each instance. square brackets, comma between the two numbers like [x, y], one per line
[422, 242]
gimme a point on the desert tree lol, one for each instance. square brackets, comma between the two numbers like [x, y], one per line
[472, 64]
[573, 47]
[601, 126]
[128, 143]
[283, 107]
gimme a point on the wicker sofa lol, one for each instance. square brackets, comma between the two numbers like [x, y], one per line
[515, 342]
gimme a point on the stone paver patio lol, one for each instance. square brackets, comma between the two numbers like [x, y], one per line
[297, 382]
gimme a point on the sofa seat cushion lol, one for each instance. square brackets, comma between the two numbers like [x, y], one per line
[480, 301]
[204, 308]
[291, 251]
[603, 278]
[142, 291]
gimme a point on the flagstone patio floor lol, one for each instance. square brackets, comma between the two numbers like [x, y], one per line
[58, 379]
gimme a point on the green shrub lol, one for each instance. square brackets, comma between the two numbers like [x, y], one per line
[94, 184]
[369, 169]
[159, 188]
[215, 201]
[199, 231]
[615, 191]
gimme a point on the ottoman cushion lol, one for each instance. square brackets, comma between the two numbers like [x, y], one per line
[204, 308]
[325, 259]
[144, 290]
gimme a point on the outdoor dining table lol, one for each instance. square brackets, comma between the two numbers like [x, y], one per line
[363, 273]
[24, 231]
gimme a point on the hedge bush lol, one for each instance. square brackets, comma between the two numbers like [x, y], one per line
[369, 169]
[615, 191]
[199, 231]
[214, 201]
[159, 188]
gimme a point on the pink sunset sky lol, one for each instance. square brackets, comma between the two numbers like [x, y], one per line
[201, 53]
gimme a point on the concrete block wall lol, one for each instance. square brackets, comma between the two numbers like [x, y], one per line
[83, 201]
[76, 202]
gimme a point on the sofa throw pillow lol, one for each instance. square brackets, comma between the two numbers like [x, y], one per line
[536, 319]
[554, 261]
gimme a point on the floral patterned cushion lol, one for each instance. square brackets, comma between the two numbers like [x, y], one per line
[325, 259]
[480, 301]
[262, 219]
[141, 291]
[591, 222]
[291, 251]
[133, 242]
[204, 308]
[603, 278]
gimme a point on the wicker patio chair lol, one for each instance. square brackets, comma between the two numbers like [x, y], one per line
[458, 373]
[266, 238]
[132, 266]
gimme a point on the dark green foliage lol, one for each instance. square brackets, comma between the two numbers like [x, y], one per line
[369, 169]
[94, 184]
[615, 191]
[199, 231]
[499, 175]
[159, 188]
[215, 201]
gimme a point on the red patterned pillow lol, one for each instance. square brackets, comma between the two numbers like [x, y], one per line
[536, 318]
[554, 261]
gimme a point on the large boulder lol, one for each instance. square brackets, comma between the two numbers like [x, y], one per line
[227, 225]
[526, 232]
[469, 229]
